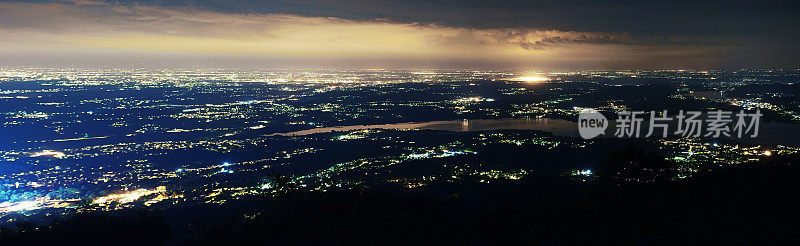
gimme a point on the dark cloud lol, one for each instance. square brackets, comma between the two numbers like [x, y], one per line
[635, 16]
[561, 41]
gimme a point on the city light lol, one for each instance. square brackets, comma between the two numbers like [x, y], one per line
[531, 79]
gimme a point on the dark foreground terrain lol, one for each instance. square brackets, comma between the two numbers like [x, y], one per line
[740, 205]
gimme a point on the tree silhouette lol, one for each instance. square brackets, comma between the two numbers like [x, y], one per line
[631, 164]
[282, 184]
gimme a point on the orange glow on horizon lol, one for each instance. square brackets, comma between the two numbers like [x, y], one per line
[531, 79]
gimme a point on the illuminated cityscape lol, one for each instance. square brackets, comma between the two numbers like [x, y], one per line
[182, 136]
[372, 122]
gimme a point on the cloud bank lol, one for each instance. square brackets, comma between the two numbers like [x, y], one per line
[90, 28]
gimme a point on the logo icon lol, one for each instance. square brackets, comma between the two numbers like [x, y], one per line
[591, 123]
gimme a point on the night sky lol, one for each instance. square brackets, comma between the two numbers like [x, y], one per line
[535, 34]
